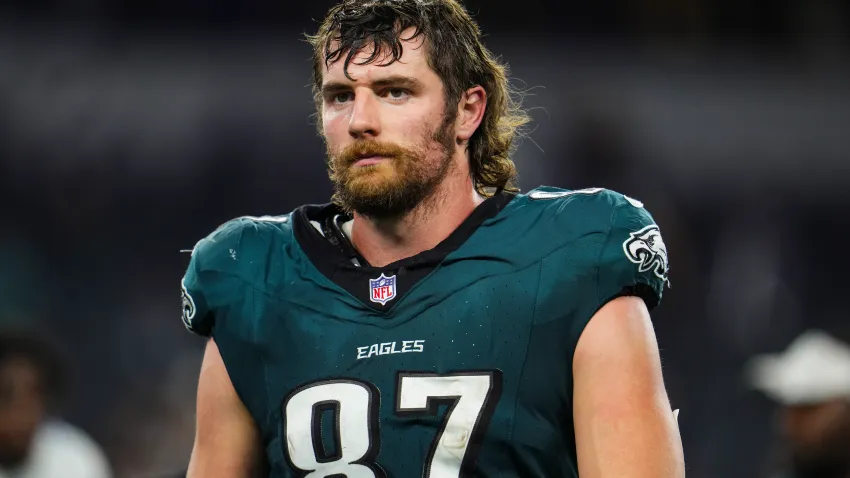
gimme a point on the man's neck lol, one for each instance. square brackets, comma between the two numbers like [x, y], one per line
[384, 241]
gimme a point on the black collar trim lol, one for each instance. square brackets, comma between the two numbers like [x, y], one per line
[334, 256]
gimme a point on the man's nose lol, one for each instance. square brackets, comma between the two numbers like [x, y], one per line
[365, 119]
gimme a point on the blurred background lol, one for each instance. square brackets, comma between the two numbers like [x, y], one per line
[130, 129]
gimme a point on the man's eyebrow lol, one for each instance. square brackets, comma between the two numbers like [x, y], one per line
[334, 87]
[397, 81]
[390, 81]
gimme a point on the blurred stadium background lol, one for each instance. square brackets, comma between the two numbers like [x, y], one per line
[130, 129]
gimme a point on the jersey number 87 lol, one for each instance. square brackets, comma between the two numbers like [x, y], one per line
[471, 398]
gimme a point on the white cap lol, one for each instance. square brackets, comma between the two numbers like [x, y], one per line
[814, 369]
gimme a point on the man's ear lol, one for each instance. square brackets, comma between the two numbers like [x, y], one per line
[471, 109]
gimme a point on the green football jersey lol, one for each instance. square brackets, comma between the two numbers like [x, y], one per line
[454, 362]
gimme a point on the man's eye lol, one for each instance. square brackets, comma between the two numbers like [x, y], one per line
[342, 97]
[397, 93]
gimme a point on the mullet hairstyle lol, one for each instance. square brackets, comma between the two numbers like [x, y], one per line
[454, 51]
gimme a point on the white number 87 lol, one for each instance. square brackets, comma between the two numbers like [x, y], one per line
[472, 397]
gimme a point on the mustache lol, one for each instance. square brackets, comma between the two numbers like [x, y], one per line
[369, 147]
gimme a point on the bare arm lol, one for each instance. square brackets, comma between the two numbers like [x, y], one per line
[227, 443]
[623, 422]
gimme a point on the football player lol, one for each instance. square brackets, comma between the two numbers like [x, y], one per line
[431, 320]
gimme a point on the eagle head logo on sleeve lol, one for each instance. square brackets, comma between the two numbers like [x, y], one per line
[188, 307]
[646, 249]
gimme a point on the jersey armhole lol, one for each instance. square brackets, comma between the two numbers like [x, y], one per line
[581, 323]
[260, 407]
[642, 290]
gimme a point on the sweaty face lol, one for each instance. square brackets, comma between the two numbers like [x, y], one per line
[389, 139]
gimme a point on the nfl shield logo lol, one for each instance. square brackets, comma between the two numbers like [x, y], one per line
[382, 289]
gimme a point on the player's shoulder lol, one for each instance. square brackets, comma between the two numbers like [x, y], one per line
[241, 239]
[584, 210]
[248, 251]
[618, 235]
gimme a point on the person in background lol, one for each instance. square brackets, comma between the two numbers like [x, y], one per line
[811, 383]
[33, 444]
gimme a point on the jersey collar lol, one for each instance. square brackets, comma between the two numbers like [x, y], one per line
[331, 252]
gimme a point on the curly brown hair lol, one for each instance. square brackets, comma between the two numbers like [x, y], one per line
[454, 51]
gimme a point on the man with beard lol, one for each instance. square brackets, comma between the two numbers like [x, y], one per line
[430, 321]
[811, 383]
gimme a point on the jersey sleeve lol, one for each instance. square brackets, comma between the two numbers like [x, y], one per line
[216, 271]
[633, 259]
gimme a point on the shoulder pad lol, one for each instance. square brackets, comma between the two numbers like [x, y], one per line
[632, 255]
[234, 254]
[582, 210]
[231, 247]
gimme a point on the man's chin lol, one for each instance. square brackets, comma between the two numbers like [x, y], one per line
[377, 207]
[380, 200]
[383, 191]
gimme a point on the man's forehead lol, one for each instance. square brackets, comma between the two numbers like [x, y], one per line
[412, 59]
